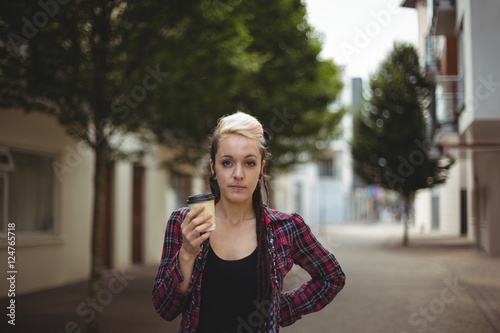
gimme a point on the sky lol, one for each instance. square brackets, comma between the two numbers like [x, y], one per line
[360, 33]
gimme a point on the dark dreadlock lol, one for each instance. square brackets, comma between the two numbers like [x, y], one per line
[263, 266]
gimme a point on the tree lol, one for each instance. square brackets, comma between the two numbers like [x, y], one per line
[105, 68]
[389, 145]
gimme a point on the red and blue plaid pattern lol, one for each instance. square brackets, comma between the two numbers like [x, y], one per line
[290, 241]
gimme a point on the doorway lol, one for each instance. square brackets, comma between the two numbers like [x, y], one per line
[463, 212]
[137, 213]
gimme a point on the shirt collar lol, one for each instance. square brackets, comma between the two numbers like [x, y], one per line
[272, 215]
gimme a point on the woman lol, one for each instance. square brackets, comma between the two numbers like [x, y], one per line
[231, 279]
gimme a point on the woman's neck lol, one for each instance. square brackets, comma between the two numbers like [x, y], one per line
[234, 214]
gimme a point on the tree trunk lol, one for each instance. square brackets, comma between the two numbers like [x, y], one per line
[406, 218]
[97, 258]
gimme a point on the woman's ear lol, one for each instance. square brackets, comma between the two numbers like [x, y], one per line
[214, 186]
[212, 169]
[263, 165]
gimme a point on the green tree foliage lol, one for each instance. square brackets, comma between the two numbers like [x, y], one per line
[281, 81]
[389, 146]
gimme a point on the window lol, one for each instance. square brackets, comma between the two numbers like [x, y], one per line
[27, 192]
[326, 168]
[331, 167]
[6, 163]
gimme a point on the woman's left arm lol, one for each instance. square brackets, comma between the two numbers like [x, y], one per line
[327, 277]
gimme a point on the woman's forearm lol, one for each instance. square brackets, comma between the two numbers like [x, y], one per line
[186, 265]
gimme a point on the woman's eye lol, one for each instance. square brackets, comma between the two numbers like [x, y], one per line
[251, 163]
[226, 163]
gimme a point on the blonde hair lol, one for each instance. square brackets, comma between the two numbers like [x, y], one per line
[242, 124]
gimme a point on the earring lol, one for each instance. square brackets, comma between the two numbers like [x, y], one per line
[214, 186]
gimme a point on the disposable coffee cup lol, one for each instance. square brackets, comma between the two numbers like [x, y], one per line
[206, 200]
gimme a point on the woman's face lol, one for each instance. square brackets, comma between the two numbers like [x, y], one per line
[238, 165]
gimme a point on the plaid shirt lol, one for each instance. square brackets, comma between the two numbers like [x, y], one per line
[290, 242]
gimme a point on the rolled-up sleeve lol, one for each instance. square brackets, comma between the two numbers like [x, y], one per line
[327, 277]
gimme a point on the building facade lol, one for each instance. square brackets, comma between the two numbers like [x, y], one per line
[319, 191]
[459, 45]
[326, 192]
[46, 191]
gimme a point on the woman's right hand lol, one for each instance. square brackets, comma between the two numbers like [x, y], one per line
[193, 228]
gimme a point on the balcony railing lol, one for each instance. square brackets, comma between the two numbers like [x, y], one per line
[447, 102]
[433, 53]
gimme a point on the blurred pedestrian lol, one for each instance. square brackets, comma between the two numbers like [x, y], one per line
[231, 279]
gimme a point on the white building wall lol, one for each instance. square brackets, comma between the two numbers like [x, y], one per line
[448, 206]
[463, 10]
[423, 211]
[282, 192]
[304, 196]
[485, 43]
[63, 257]
[320, 200]
[486, 172]
[52, 260]
[332, 202]
[122, 224]
[156, 213]
[449, 203]
[341, 191]
[172, 197]
[481, 50]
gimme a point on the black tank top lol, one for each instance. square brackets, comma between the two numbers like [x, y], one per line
[228, 294]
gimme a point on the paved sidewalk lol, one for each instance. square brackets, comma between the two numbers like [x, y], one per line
[65, 309]
[437, 284]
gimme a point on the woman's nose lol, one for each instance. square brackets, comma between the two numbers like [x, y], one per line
[238, 172]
